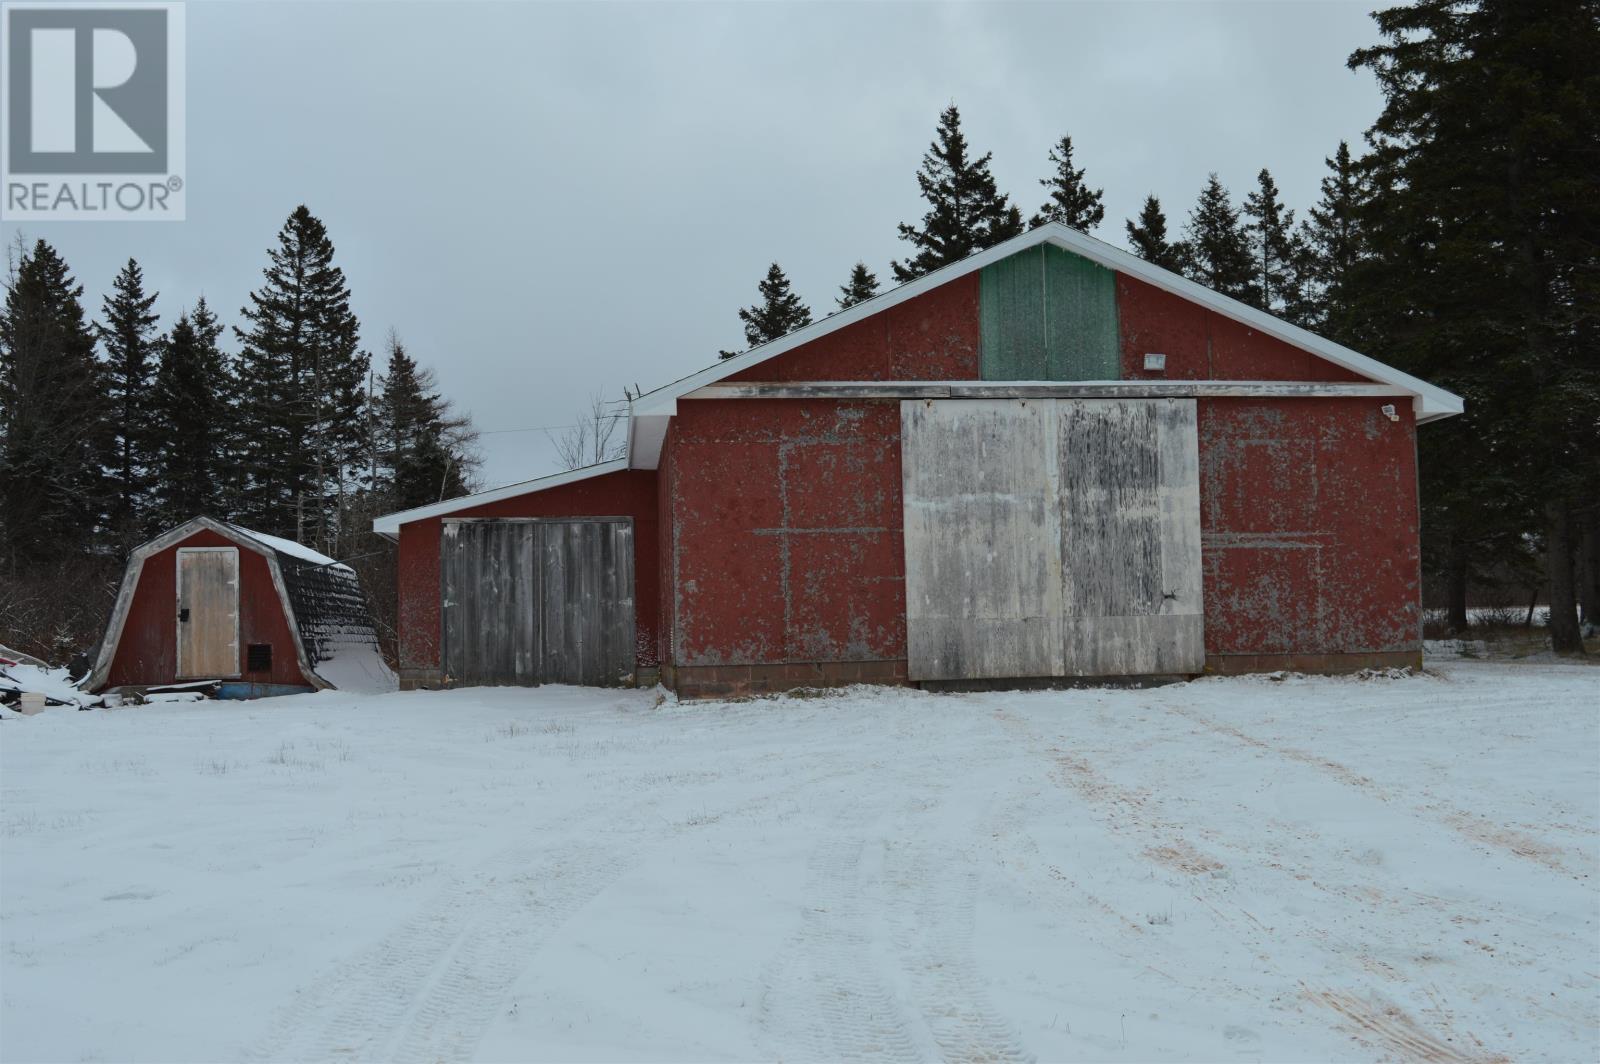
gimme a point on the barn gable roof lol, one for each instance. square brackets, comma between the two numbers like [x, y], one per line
[321, 599]
[650, 412]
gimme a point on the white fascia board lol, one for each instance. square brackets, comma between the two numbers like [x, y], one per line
[389, 524]
[1436, 402]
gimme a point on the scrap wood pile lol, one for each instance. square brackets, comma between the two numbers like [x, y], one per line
[28, 685]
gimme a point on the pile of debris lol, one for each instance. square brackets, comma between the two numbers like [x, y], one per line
[29, 686]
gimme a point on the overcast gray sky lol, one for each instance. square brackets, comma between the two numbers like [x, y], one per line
[545, 200]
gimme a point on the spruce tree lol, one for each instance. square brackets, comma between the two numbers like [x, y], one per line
[1217, 247]
[190, 400]
[130, 342]
[1277, 250]
[1483, 268]
[419, 443]
[1147, 236]
[966, 213]
[302, 378]
[779, 313]
[1072, 202]
[1334, 245]
[862, 286]
[55, 437]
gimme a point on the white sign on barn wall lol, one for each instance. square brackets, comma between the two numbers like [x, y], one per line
[1051, 537]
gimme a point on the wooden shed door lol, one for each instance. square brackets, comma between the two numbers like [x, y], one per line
[538, 601]
[208, 612]
[1049, 537]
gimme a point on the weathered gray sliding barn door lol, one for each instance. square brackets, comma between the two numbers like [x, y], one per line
[983, 557]
[1050, 537]
[529, 601]
[1130, 537]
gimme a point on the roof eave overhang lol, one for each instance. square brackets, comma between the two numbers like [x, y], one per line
[389, 524]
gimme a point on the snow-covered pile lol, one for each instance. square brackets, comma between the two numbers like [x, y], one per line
[54, 684]
[1232, 869]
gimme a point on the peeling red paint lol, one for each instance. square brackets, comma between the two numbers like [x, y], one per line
[787, 523]
[1201, 344]
[1308, 513]
[629, 493]
[933, 337]
[147, 651]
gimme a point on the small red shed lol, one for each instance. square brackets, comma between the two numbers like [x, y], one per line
[1051, 460]
[262, 615]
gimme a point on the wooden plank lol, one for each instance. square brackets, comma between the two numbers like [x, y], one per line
[587, 613]
[1048, 389]
[981, 539]
[1130, 537]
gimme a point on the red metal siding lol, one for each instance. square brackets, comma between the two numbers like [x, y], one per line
[147, 652]
[1308, 510]
[932, 337]
[786, 516]
[629, 493]
[1203, 345]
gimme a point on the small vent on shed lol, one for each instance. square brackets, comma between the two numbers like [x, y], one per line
[258, 657]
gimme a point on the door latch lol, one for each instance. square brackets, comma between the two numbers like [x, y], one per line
[183, 615]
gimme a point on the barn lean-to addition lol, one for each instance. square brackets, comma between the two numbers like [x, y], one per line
[1050, 460]
[260, 615]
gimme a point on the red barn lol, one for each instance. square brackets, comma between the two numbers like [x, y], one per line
[261, 615]
[1049, 460]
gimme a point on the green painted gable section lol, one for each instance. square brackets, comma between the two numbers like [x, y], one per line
[1046, 314]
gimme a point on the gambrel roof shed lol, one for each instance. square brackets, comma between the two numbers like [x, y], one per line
[209, 600]
[1049, 460]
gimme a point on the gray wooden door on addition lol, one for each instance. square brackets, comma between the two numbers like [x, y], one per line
[529, 601]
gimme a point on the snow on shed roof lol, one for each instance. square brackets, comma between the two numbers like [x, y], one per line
[289, 547]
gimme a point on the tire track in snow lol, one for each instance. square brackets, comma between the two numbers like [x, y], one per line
[935, 946]
[1477, 828]
[428, 990]
[826, 992]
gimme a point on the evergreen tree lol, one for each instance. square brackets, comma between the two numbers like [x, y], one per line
[966, 213]
[1217, 247]
[54, 433]
[302, 377]
[1484, 274]
[1278, 252]
[779, 313]
[862, 286]
[130, 341]
[420, 448]
[1072, 202]
[1334, 245]
[1147, 236]
[191, 402]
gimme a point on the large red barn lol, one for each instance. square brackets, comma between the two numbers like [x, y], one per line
[1049, 460]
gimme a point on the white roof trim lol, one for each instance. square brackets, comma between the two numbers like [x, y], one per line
[389, 524]
[649, 412]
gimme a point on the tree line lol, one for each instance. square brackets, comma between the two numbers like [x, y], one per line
[113, 428]
[1460, 243]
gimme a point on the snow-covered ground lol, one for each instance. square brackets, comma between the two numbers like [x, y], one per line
[1300, 869]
